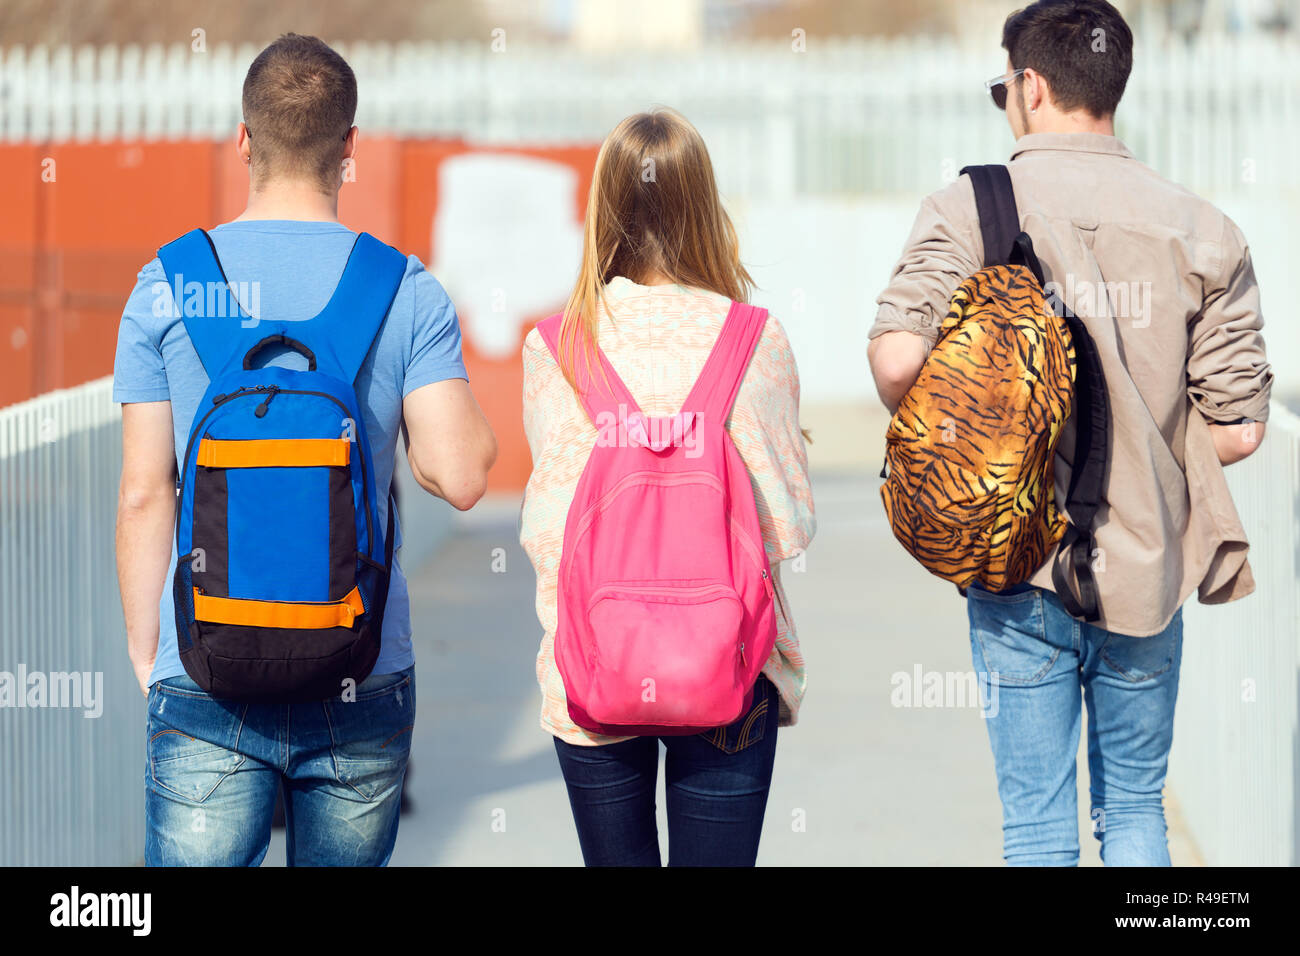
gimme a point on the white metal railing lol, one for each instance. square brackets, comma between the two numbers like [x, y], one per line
[72, 786]
[1235, 767]
[845, 117]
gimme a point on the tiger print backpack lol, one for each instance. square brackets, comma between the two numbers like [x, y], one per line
[969, 468]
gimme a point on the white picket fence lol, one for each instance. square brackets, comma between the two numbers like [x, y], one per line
[845, 117]
[1235, 768]
[72, 786]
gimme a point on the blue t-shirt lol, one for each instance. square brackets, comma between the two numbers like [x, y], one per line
[296, 266]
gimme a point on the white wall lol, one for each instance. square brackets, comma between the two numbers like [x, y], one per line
[819, 264]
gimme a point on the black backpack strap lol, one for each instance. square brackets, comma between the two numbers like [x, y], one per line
[995, 201]
[1087, 477]
[1091, 416]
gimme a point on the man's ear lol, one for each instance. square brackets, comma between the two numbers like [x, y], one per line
[350, 143]
[1037, 92]
[243, 144]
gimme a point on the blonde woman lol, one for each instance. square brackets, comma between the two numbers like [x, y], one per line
[659, 272]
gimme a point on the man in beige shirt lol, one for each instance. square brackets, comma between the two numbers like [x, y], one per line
[1164, 283]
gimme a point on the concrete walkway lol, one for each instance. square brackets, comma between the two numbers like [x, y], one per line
[858, 781]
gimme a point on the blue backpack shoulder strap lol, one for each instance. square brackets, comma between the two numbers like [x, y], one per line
[192, 259]
[344, 331]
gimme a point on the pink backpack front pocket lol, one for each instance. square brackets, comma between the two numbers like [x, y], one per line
[665, 654]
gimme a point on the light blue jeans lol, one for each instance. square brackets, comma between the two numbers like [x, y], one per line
[213, 767]
[1035, 665]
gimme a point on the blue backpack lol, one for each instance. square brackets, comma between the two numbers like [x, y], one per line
[282, 571]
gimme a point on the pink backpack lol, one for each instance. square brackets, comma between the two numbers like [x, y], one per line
[665, 596]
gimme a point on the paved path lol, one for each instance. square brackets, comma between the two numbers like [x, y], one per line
[858, 780]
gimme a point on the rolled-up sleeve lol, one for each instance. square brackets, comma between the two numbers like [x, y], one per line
[1228, 374]
[943, 248]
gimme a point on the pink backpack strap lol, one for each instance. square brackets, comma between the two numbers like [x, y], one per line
[593, 394]
[715, 390]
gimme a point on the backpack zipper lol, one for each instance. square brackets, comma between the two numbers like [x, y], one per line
[203, 591]
[759, 558]
[260, 410]
[273, 390]
[659, 589]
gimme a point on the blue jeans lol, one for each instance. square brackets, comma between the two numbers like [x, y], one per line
[1035, 663]
[213, 768]
[717, 786]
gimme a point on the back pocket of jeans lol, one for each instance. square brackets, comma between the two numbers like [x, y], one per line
[1008, 629]
[371, 736]
[1139, 659]
[750, 727]
[190, 768]
[181, 762]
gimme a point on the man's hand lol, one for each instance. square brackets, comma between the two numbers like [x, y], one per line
[146, 514]
[143, 668]
[449, 442]
[896, 359]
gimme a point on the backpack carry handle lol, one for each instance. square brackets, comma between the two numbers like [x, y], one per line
[281, 339]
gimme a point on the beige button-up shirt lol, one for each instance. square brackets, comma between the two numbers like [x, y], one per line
[1163, 280]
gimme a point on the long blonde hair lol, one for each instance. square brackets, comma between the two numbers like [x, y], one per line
[653, 209]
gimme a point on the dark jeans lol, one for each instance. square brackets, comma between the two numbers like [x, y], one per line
[717, 786]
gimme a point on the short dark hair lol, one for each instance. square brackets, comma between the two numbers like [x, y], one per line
[1083, 48]
[300, 98]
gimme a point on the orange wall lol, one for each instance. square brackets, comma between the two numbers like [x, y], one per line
[70, 248]
[498, 385]
[19, 233]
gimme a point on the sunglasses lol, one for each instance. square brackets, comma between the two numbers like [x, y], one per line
[997, 87]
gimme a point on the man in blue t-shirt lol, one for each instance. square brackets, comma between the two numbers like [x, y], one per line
[214, 766]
